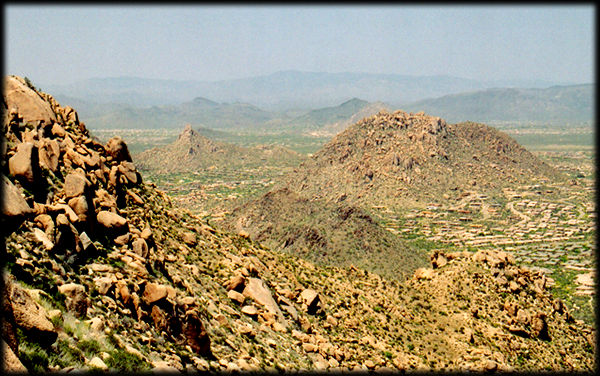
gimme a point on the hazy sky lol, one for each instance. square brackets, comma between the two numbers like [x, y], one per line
[52, 44]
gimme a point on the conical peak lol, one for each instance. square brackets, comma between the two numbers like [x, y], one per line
[188, 134]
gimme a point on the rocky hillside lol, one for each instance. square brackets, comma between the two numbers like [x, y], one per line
[326, 234]
[103, 273]
[192, 152]
[398, 159]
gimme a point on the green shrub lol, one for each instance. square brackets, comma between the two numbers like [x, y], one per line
[33, 357]
[124, 361]
[89, 346]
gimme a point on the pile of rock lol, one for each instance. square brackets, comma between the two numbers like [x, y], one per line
[75, 194]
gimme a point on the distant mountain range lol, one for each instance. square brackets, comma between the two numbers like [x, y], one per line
[265, 103]
[553, 105]
[278, 91]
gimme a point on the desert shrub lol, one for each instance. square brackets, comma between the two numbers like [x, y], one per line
[124, 361]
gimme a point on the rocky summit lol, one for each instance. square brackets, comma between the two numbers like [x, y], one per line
[403, 159]
[103, 273]
[192, 151]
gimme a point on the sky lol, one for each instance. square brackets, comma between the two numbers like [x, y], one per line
[64, 44]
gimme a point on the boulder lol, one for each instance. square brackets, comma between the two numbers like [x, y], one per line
[66, 209]
[67, 236]
[97, 363]
[24, 164]
[250, 310]
[28, 103]
[423, 273]
[75, 184]
[104, 199]
[46, 223]
[48, 154]
[81, 207]
[539, 326]
[77, 301]
[117, 149]
[14, 207]
[10, 362]
[28, 315]
[104, 284]
[311, 298]
[195, 333]
[128, 170]
[189, 238]
[159, 317]
[41, 237]
[112, 221]
[58, 131]
[154, 292]
[140, 247]
[236, 296]
[236, 283]
[257, 290]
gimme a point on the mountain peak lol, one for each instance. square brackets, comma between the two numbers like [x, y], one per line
[188, 134]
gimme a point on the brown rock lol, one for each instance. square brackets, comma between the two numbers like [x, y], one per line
[113, 176]
[423, 273]
[86, 244]
[112, 221]
[10, 362]
[117, 148]
[510, 308]
[41, 237]
[28, 103]
[58, 130]
[154, 292]
[257, 290]
[103, 284]
[523, 316]
[236, 283]
[81, 207]
[14, 207]
[236, 296]
[75, 184]
[25, 164]
[66, 209]
[105, 199]
[45, 222]
[438, 260]
[77, 301]
[311, 298]
[189, 238]
[28, 315]
[48, 153]
[249, 310]
[123, 239]
[140, 247]
[159, 317]
[137, 199]
[122, 291]
[195, 333]
[539, 326]
[127, 169]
